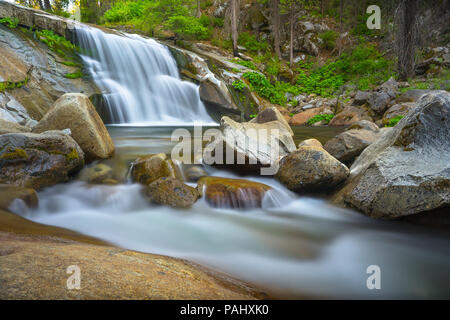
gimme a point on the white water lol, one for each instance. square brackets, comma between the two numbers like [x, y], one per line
[292, 247]
[139, 80]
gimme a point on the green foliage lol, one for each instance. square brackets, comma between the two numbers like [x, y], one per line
[264, 88]
[55, 42]
[273, 67]
[392, 122]
[247, 64]
[218, 22]
[7, 85]
[364, 66]
[238, 85]
[250, 42]
[74, 75]
[328, 39]
[205, 20]
[320, 117]
[186, 27]
[124, 11]
[10, 23]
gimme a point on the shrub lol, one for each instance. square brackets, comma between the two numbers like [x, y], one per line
[328, 39]
[238, 85]
[125, 11]
[264, 88]
[250, 42]
[392, 122]
[320, 117]
[218, 22]
[247, 64]
[187, 27]
[10, 23]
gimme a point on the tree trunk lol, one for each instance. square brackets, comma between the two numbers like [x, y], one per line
[41, 5]
[199, 11]
[234, 32]
[406, 39]
[47, 5]
[291, 42]
[341, 40]
[276, 27]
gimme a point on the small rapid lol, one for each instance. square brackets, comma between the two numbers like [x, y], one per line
[292, 247]
[139, 80]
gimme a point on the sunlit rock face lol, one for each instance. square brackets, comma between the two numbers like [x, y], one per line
[407, 170]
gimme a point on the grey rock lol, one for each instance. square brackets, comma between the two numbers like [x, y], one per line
[378, 102]
[407, 170]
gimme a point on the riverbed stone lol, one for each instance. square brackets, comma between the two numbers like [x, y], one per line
[349, 116]
[38, 160]
[272, 114]
[310, 143]
[97, 174]
[302, 118]
[397, 110]
[364, 125]
[34, 260]
[193, 174]
[232, 193]
[254, 145]
[12, 127]
[76, 112]
[407, 171]
[149, 168]
[349, 144]
[10, 194]
[311, 169]
[171, 192]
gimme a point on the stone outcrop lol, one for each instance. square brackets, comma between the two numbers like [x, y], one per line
[76, 112]
[171, 192]
[12, 127]
[311, 169]
[407, 170]
[250, 145]
[347, 145]
[232, 193]
[38, 160]
[44, 253]
[272, 114]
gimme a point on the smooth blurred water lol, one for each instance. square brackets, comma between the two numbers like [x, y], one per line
[139, 79]
[293, 247]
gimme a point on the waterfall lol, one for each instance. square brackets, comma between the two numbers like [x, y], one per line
[139, 79]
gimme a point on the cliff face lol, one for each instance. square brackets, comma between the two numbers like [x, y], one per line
[33, 76]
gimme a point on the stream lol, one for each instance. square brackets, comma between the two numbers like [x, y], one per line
[293, 247]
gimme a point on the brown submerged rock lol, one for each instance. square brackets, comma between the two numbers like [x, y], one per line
[9, 194]
[76, 112]
[44, 253]
[98, 174]
[151, 167]
[311, 168]
[310, 143]
[232, 193]
[171, 192]
[38, 160]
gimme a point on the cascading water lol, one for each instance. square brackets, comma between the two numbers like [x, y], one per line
[140, 80]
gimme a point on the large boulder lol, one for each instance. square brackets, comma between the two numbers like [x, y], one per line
[99, 173]
[379, 101]
[361, 98]
[232, 193]
[310, 169]
[253, 145]
[310, 143]
[365, 125]
[347, 145]
[38, 160]
[407, 170]
[397, 110]
[171, 192]
[149, 168]
[272, 114]
[76, 112]
[10, 194]
[215, 93]
[12, 127]
[302, 118]
[349, 116]
[412, 95]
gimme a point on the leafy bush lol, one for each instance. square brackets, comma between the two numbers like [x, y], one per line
[264, 88]
[218, 22]
[392, 122]
[247, 64]
[186, 27]
[320, 117]
[205, 20]
[125, 11]
[250, 42]
[55, 42]
[328, 39]
[10, 23]
[238, 85]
